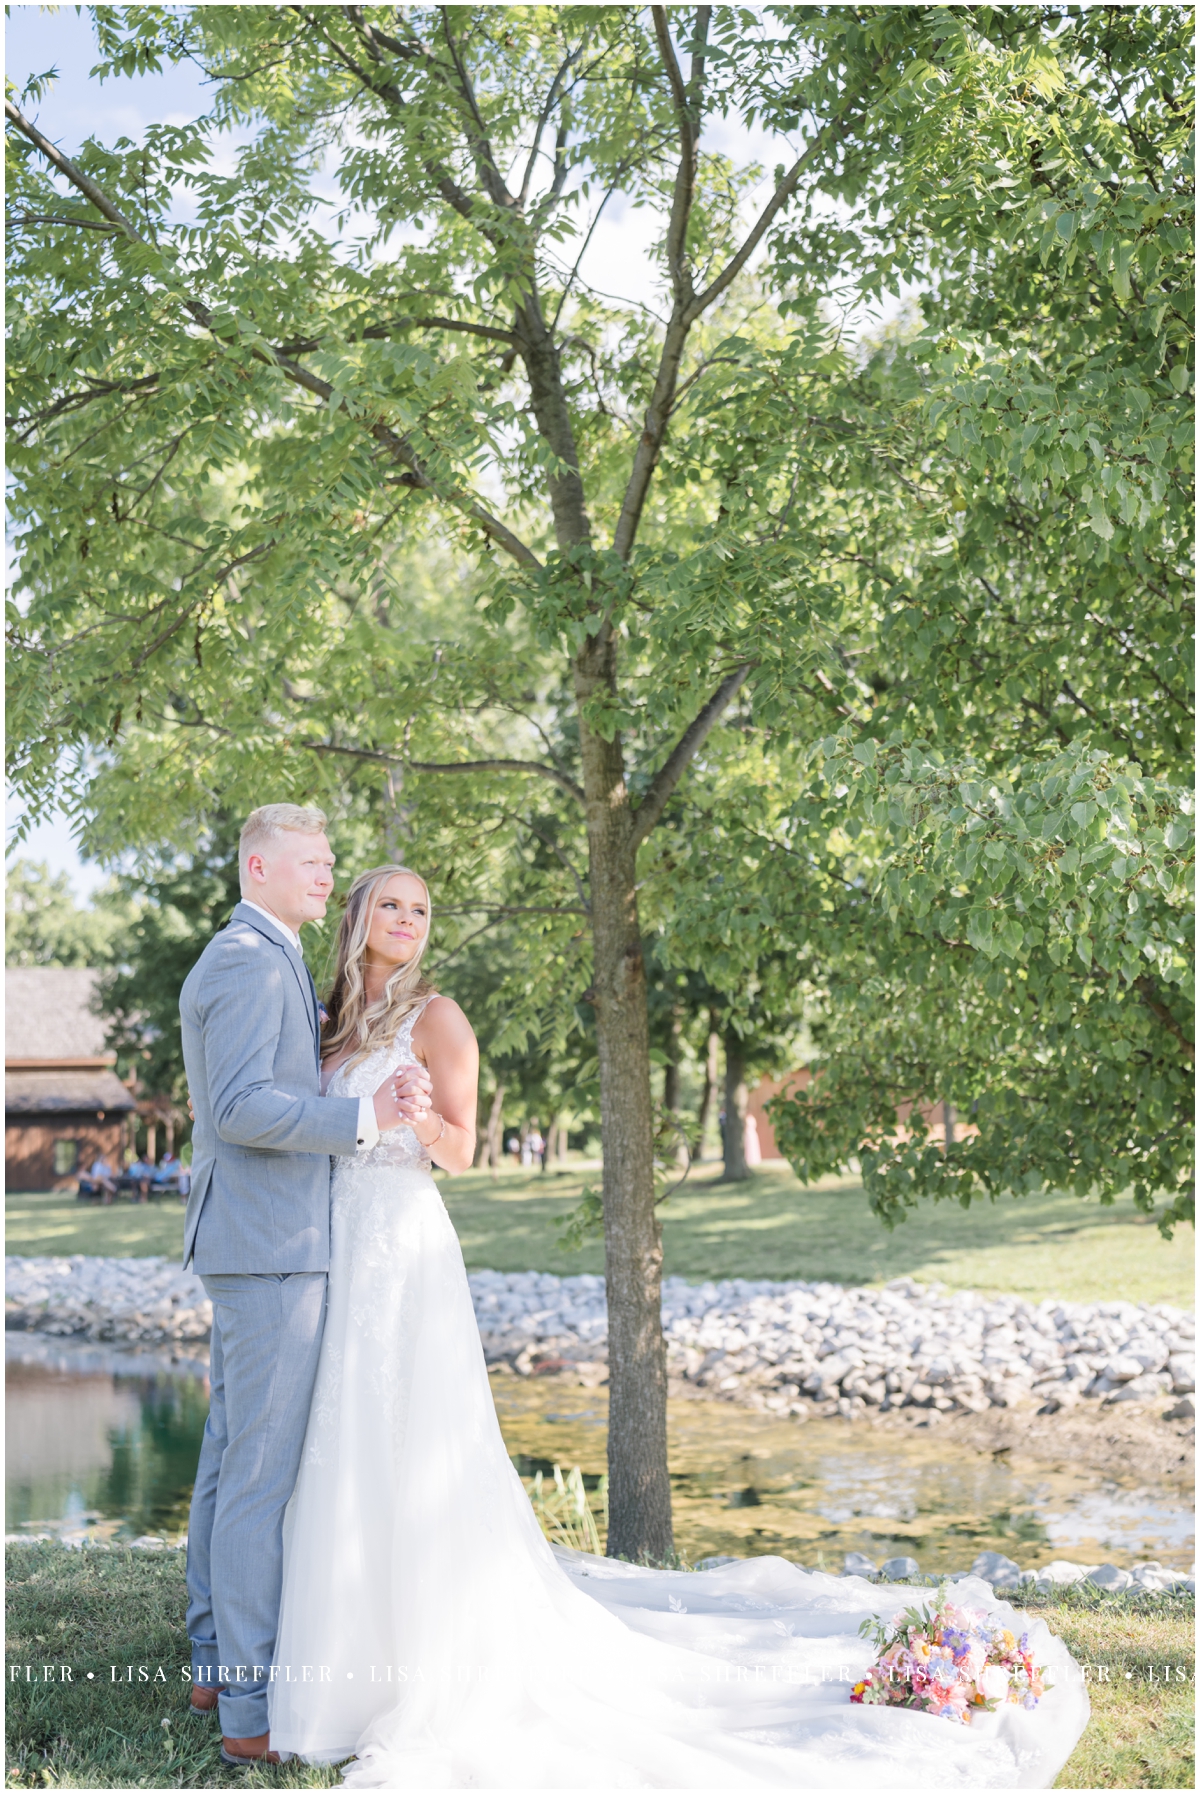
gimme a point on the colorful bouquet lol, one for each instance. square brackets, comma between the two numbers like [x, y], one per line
[952, 1662]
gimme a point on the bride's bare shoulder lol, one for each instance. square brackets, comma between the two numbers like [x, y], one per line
[442, 1024]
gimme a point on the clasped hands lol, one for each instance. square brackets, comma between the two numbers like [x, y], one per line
[404, 1098]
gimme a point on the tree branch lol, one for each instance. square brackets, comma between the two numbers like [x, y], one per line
[397, 447]
[477, 138]
[214, 579]
[534, 766]
[684, 315]
[774, 205]
[444, 181]
[499, 909]
[73, 172]
[381, 333]
[683, 311]
[669, 774]
[75, 401]
[1148, 991]
[622, 169]
[552, 844]
[20, 218]
[687, 113]
[543, 121]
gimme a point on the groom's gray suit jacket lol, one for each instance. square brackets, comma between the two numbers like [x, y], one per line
[263, 1134]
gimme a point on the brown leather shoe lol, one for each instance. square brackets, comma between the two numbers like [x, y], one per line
[238, 1752]
[203, 1697]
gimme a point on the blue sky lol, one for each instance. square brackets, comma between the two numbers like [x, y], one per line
[38, 38]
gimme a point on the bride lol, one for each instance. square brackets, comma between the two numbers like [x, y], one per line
[427, 1628]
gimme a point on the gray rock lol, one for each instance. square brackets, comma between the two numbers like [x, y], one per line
[906, 1343]
[1061, 1574]
[993, 1565]
[1063, 1395]
[1151, 1577]
[856, 1564]
[1182, 1410]
[1108, 1576]
[1182, 1366]
[1141, 1389]
[1122, 1369]
[715, 1563]
[900, 1569]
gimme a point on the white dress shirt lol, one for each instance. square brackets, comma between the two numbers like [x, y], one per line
[368, 1127]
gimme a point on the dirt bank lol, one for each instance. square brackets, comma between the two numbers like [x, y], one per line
[1124, 1440]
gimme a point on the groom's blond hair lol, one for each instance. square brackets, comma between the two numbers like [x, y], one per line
[263, 826]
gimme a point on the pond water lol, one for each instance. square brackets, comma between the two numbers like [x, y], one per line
[103, 1444]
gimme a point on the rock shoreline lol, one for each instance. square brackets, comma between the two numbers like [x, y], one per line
[787, 1348]
[1007, 1577]
[1001, 1573]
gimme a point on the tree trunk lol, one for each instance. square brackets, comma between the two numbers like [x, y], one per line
[737, 1100]
[481, 1139]
[707, 1094]
[639, 1491]
[495, 1131]
[671, 1086]
[948, 1122]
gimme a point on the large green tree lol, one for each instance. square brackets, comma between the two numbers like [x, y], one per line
[1020, 798]
[693, 539]
[44, 925]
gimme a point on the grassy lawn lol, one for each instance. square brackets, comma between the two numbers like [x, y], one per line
[92, 1610]
[770, 1227]
[1143, 1729]
[41, 1224]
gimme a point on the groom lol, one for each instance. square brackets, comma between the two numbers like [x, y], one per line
[257, 1233]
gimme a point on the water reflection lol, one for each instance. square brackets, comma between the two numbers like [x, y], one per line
[99, 1442]
[745, 1483]
[104, 1443]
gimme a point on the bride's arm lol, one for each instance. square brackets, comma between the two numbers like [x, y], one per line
[445, 1040]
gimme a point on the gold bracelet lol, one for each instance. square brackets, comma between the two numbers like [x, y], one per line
[428, 1143]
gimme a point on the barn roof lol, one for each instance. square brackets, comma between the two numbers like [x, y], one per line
[49, 1014]
[66, 1093]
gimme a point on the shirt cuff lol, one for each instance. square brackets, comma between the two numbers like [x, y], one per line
[368, 1127]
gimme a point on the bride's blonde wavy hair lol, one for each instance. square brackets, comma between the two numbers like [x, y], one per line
[352, 1021]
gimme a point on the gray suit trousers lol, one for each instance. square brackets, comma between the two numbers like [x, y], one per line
[266, 1339]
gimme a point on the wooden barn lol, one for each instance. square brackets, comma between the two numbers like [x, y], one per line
[64, 1102]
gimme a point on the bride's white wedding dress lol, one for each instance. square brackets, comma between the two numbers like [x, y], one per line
[430, 1631]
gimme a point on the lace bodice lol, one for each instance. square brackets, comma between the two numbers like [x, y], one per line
[399, 1146]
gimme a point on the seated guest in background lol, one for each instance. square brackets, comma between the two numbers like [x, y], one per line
[101, 1178]
[141, 1176]
[172, 1170]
